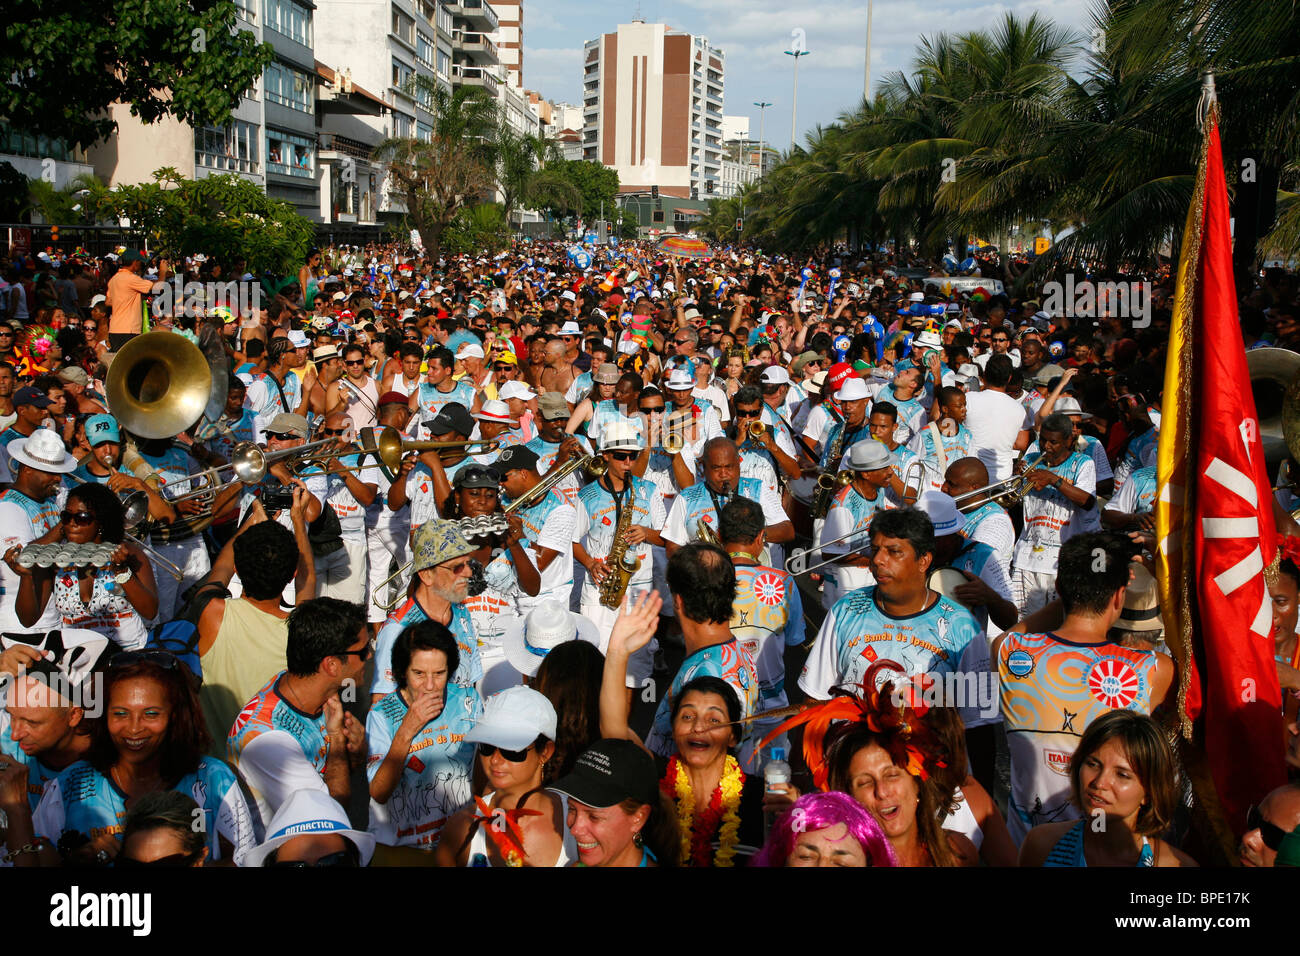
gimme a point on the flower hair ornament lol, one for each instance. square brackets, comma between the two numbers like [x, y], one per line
[38, 340]
[893, 709]
[1288, 545]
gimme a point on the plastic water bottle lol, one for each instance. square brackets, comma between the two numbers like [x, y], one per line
[775, 773]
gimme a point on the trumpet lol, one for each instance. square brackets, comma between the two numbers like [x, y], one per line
[392, 446]
[593, 465]
[830, 480]
[249, 463]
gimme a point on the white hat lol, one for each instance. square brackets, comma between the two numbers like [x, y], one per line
[852, 390]
[928, 340]
[515, 390]
[547, 626]
[570, 328]
[408, 314]
[867, 455]
[307, 812]
[629, 346]
[776, 375]
[494, 410]
[942, 511]
[470, 350]
[44, 451]
[96, 299]
[691, 313]
[340, 296]
[916, 297]
[513, 719]
[679, 380]
[298, 339]
[1065, 405]
[621, 436]
[570, 295]
[969, 375]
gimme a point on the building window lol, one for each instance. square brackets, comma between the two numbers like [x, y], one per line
[425, 51]
[403, 27]
[290, 154]
[402, 125]
[232, 149]
[290, 19]
[247, 9]
[444, 63]
[402, 75]
[17, 143]
[423, 132]
[289, 87]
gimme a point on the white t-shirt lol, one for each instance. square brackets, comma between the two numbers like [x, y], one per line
[994, 420]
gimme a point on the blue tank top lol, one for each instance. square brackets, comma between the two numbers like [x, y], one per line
[1068, 850]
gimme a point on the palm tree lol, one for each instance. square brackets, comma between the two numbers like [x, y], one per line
[523, 176]
[453, 168]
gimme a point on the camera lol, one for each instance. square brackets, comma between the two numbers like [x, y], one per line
[275, 497]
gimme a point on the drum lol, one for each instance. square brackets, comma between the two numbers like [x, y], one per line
[946, 581]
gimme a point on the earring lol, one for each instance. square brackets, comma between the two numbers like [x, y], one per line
[637, 841]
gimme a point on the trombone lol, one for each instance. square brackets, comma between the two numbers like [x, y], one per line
[135, 509]
[249, 463]
[1005, 492]
[392, 446]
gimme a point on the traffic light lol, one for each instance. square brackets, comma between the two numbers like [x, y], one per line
[654, 192]
[740, 225]
[54, 233]
[708, 185]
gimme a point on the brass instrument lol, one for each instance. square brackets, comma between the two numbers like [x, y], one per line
[705, 534]
[392, 446]
[620, 565]
[1006, 492]
[593, 465]
[1275, 384]
[822, 495]
[829, 481]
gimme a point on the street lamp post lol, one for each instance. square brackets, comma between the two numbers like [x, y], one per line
[866, 82]
[762, 114]
[794, 105]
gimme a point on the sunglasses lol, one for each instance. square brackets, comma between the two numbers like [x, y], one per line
[280, 436]
[458, 567]
[88, 328]
[622, 455]
[341, 858]
[514, 756]
[356, 362]
[1270, 833]
[176, 859]
[333, 431]
[682, 341]
[748, 413]
[164, 659]
[651, 409]
[77, 517]
[503, 367]
[362, 654]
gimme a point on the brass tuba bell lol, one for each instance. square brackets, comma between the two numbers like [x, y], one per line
[1275, 384]
[159, 384]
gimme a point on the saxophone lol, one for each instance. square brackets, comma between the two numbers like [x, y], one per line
[619, 564]
[821, 499]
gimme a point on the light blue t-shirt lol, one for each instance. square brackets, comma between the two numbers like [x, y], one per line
[468, 673]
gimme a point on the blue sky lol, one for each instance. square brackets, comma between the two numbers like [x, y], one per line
[754, 34]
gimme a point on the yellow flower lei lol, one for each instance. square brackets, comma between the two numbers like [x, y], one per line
[731, 785]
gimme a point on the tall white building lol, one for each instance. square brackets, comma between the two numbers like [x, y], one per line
[652, 109]
[510, 39]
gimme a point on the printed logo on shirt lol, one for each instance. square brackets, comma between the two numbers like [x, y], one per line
[1113, 683]
[769, 589]
[1020, 663]
[1058, 761]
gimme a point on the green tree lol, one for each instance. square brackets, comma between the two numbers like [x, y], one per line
[67, 61]
[595, 184]
[454, 169]
[227, 217]
[527, 177]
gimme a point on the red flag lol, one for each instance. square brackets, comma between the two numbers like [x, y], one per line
[1232, 692]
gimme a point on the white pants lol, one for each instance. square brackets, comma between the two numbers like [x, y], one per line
[342, 574]
[382, 546]
[191, 556]
[1032, 590]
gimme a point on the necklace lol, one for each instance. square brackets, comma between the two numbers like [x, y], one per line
[721, 815]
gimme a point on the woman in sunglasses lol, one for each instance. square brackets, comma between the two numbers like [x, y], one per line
[160, 831]
[152, 738]
[516, 743]
[1124, 773]
[89, 597]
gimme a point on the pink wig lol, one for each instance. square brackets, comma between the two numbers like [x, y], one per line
[818, 811]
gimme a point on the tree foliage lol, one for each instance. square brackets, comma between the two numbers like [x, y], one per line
[594, 183]
[226, 217]
[67, 61]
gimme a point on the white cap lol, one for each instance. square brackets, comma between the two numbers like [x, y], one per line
[629, 346]
[776, 375]
[621, 436]
[679, 380]
[942, 511]
[515, 390]
[340, 296]
[528, 640]
[928, 340]
[916, 297]
[570, 295]
[309, 812]
[470, 350]
[570, 328]
[96, 299]
[513, 719]
[852, 390]
[494, 410]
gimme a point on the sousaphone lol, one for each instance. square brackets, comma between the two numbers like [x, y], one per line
[1275, 384]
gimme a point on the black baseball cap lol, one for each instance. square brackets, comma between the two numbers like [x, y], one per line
[516, 456]
[609, 772]
[27, 395]
[454, 417]
[476, 476]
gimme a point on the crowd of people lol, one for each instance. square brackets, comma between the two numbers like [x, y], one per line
[562, 557]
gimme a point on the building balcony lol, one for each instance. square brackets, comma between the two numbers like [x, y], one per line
[478, 13]
[477, 46]
[327, 143]
[475, 76]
